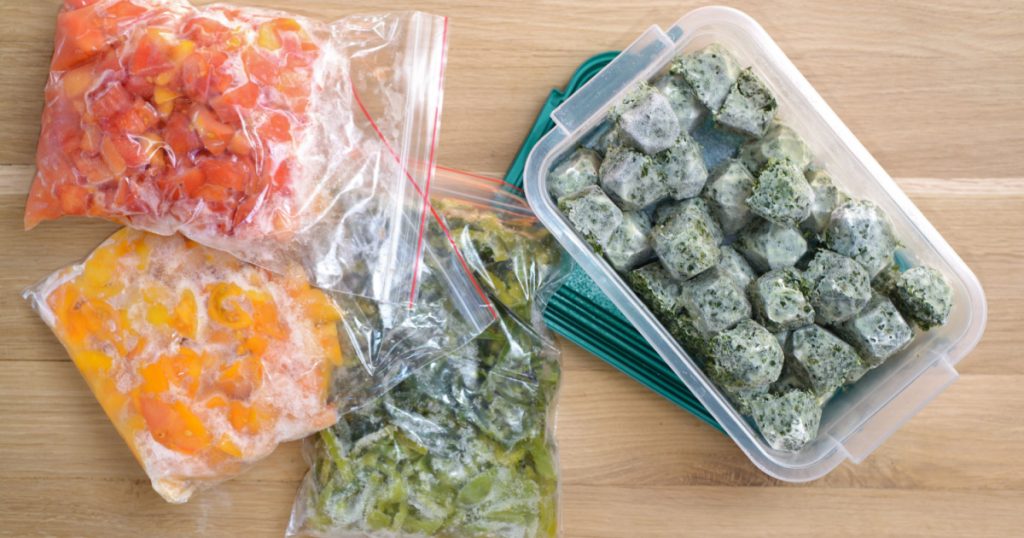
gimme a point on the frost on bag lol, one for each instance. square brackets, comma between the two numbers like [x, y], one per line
[465, 446]
[269, 136]
[203, 363]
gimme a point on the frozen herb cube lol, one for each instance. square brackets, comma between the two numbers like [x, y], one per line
[577, 171]
[859, 229]
[603, 138]
[710, 71]
[631, 178]
[684, 329]
[877, 332]
[727, 192]
[780, 143]
[768, 246]
[788, 421]
[742, 398]
[885, 281]
[735, 266]
[714, 302]
[658, 289]
[746, 356]
[592, 214]
[924, 296]
[821, 358]
[837, 286]
[682, 167]
[827, 197]
[646, 120]
[689, 110]
[779, 301]
[781, 194]
[686, 240]
[629, 244]
[749, 107]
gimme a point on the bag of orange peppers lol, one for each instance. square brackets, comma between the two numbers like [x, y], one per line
[269, 136]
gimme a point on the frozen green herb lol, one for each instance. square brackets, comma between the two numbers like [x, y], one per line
[710, 71]
[689, 110]
[821, 359]
[687, 239]
[827, 197]
[632, 179]
[885, 281]
[837, 286]
[727, 192]
[924, 296]
[684, 329]
[646, 120]
[768, 246]
[781, 194]
[714, 302]
[779, 142]
[629, 244]
[877, 332]
[779, 301]
[746, 356]
[682, 168]
[749, 107]
[743, 399]
[735, 266]
[788, 421]
[859, 229]
[577, 171]
[658, 289]
[592, 214]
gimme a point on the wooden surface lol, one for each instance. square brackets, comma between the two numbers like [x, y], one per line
[933, 89]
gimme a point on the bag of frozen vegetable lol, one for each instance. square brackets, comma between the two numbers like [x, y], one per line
[203, 363]
[465, 446]
[269, 136]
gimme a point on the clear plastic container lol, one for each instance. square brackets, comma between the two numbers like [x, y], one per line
[860, 418]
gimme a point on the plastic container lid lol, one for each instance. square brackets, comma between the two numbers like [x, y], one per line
[860, 418]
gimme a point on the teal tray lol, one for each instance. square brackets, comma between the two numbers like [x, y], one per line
[578, 310]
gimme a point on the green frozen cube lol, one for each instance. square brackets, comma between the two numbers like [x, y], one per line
[746, 356]
[714, 301]
[827, 197]
[924, 296]
[682, 168]
[684, 329]
[742, 398]
[630, 243]
[821, 358]
[837, 286]
[749, 107]
[781, 194]
[859, 229]
[592, 214]
[768, 246]
[885, 281]
[658, 289]
[577, 171]
[788, 421]
[727, 192]
[686, 239]
[876, 332]
[710, 71]
[780, 143]
[779, 301]
[631, 178]
[688, 108]
[735, 266]
[646, 120]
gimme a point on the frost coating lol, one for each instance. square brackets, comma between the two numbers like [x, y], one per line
[838, 287]
[749, 107]
[646, 120]
[877, 332]
[629, 244]
[688, 108]
[821, 359]
[574, 173]
[631, 178]
[769, 246]
[779, 301]
[788, 421]
[714, 301]
[682, 168]
[827, 197]
[687, 239]
[735, 266]
[779, 142]
[924, 296]
[727, 192]
[710, 71]
[746, 356]
[592, 214]
[859, 229]
[781, 194]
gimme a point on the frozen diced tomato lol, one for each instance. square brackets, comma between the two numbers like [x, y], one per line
[79, 37]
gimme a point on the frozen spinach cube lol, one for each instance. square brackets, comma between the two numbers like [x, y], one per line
[735, 266]
[924, 296]
[684, 329]
[592, 214]
[631, 178]
[821, 358]
[658, 289]
[630, 243]
[779, 301]
[603, 138]
[768, 246]
[746, 356]
[646, 121]
[780, 143]
[876, 332]
[689, 110]
[686, 241]
[577, 171]
[788, 421]
[749, 107]
[859, 229]
[827, 197]
[710, 71]
[714, 301]
[682, 167]
[727, 192]
[837, 286]
[788, 380]
[781, 194]
[741, 398]
[885, 281]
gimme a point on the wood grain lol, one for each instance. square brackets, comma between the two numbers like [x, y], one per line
[931, 88]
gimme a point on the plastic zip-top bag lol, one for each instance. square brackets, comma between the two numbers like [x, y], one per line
[465, 446]
[269, 136]
[203, 363]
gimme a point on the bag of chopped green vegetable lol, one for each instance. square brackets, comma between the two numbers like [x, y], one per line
[465, 446]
